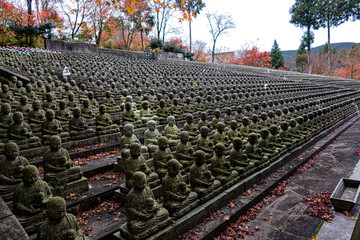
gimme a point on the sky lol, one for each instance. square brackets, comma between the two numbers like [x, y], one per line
[260, 22]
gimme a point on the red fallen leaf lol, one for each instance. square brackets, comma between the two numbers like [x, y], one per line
[270, 214]
[231, 205]
[116, 219]
[226, 218]
[251, 233]
[257, 228]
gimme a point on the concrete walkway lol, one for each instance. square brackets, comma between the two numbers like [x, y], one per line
[286, 217]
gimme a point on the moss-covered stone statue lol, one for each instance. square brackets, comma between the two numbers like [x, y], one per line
[190, 127]
[161, 157]
[136, 162]
[146, 113]
[178, 198]
[128, 116]
[36, 116]
[203, 121]
[216, 119]
[253, 152]
[184, 151]
[30, 199]
[6, 119]
[60, 224]
[238, 159]
[11, 167]
[201, 180]
[221, 168]
[78, 127]
[104, 124]
[52, 126]
[152, 136]
[172, 132]
[144, 215]
[87, 112]
[20, 133]
[58, 168]
[204, 143]
[220, 135]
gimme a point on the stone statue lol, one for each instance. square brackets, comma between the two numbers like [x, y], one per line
[30, 199]
[6, 119]
[128, 116]
[239, 114]
[220, 135]
[227, 118]
[52, 126]
[63, 114]
[233, 132]
[36, 117]
[20, 133]
[184, 151]
[201, 179]
[110, 104]
[161, 157]
[264, 145]
[11, 167]
[58, 168]
[172, 132]
[144, 216]
[78, 127]
[216, 119]
[50, 102]
[238, 158]
[152, 136]
[204, 143]
[190, 127]
[5, 95]
[146, 114]
[24, 106]
[221, 168]
[60, 224]
[104, 124]
[203, 121]
[178, 198]
[87, 112]
[174, 109]
[127, 139]
[162, 111]
[244, 129]
[253, 152]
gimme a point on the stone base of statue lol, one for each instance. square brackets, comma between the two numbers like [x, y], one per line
[216, 189]
[111, 137]
[84, 136]
[25, 144]
[85, 142]
[120, 194]
[125, 233]
[234, 179]
[78, 186]
[185, 209]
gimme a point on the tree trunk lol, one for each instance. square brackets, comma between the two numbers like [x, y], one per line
[213, 52]
[190, 33]
[329, 48]
[142, 40]
[32, 36]
[309, 50]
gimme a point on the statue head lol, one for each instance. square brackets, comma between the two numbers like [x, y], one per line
[151, 125]
[228, 111]
[199, 157]
[36, 105]
[139, 180]
[163, 143]
[239, 109]
[86, 103]
[204, 131]
[28, 88]
[264, 133]
[233, 124]
[217, 113]
[108, 94]
[184, 136]
[284, 126]
[23, 99]
[219, 149]
[162, 103]
[252, 138]
[220, 127]
[50, 115]
[189, 118]
[56, 208]
[76, 112]
[128, 130]
[170, 120]
[55, 143]
[145, 105]
[237, 143]
[203, 116]
[30, 175]
[102, 109]
[173, 167]
[128, 106]
[135, 150]
[11, 151]
[245, 121]
[5, 108]
[18, 117]
[5, 88]
[274, 129]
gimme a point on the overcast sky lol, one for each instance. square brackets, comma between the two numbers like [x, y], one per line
[260, 22]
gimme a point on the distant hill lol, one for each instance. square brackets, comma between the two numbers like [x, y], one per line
[289, 55]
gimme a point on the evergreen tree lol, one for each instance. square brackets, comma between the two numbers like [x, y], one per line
[301, 58]
[304, 15]
[277, 59]
[331, 13]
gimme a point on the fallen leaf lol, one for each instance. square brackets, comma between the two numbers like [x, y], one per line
[257, 228]
[226, 218]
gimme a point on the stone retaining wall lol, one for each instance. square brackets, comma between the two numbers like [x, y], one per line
[122, 53]
[164, 56]
[56, 45]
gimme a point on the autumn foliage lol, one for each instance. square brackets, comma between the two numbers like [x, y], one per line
[255, 58]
